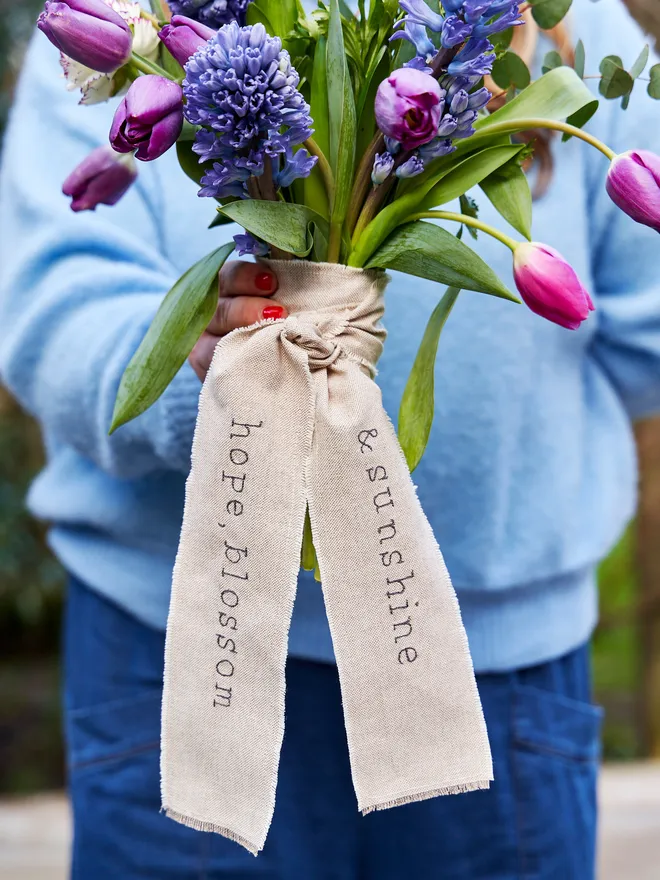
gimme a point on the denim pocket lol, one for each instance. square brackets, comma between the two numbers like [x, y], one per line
[556, 751]
[114, 730]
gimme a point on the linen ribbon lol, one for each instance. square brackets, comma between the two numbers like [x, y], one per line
[290, 417]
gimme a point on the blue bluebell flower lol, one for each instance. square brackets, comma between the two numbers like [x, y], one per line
[294, 166]
[248, 245]
[436, 149]
[475, 59]
[455, 31]
[241, 88]
[418, 36]
[213, 13]
[383, 165]
[419, 12]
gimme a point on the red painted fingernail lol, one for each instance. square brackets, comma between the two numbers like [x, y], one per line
[265, 281]
[273, 312]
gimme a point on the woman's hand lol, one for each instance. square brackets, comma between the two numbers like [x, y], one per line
[244, 289]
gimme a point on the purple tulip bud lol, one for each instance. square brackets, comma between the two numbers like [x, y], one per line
[550, 286]
[88, 31]
[633, 183]
[183, 37]
[100, 179]
[409, 104]
[149, 119]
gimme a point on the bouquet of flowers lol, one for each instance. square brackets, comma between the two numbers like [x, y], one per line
[338, 139]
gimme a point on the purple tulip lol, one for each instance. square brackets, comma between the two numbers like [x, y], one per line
[100, 179]
[183, 37]
[88, 31]
[409, 105]
[149, 119]
[633, 183]
[549, 286]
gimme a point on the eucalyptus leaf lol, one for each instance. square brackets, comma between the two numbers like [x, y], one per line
[181, 319]
[418, 402]
[429, 251]
[616, 81]
[283, 225]
[548, 13]
[551, 61]
[580, 59]
[511, 70]
[640, 65]
[508, 190]
[654, 83]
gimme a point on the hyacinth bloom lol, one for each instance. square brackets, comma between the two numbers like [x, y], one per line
[184, 36]
[550, 286]
[409, 105]
[89, 32]
[633, 183]
[100, 179]
[213, 13]
[241, 88]
[149, 119]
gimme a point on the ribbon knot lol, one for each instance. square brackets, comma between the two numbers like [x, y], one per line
[322, 351]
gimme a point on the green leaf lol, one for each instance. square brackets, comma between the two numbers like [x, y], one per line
[511, 70]
[548, 13]
[580, 119]
[616, 81]
[189, 161]
[555, 96]
[283, 225]
[418, 402]
[470, 208]
[580, 59]
[509, 192]
[308, 558]
[341, 114]
[314, 188]
[552, 60]
[282, 15]
[429, 251]
[220, 220]
[654, 84]
[181, 319]
[468, 173]
[256, 15]
[640, 65]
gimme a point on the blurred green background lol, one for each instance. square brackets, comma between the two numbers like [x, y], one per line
[31, 583]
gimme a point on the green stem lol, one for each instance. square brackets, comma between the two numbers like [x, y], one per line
[468, 221]
[528, 124]
[323, 166]
[149, 17]
[146, 66]
[334, 244]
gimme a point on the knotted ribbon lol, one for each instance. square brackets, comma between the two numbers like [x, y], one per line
[291, 418]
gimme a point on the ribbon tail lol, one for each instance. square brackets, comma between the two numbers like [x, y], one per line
[413, 715]
[233, 591]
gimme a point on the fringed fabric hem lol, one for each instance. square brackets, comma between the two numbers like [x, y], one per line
[202, 825]
[462, 788]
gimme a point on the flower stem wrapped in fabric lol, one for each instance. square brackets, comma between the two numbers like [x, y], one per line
[337, 142]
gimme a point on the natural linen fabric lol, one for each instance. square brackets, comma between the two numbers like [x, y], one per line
[289, 417]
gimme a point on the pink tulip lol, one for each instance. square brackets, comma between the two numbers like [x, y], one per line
[633, 183]
[550, 286]
[183, 37]
[409, 105]
[100, 179]
[89, 32]
[149, 119]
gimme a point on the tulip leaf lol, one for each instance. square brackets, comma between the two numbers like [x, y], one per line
[256, 15]
[654, 83]
[181, 319]
[548, 13]
[418, 402]
[554, 96]
[283, 225]
[341, 114]
[429, 251]
[510, 195]
[468, 173]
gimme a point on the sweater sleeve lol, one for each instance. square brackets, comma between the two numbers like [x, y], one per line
[625, 256]
[77, 292]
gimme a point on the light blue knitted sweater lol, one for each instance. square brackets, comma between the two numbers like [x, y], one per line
[530, 475]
